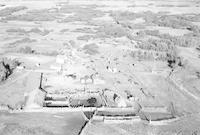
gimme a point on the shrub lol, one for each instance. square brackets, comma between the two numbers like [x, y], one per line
[111, 30]
[124, 15]
[92, 101]
[22, 41]
[18, 30]
[53, 53]
[4, 72]
[26, 50]
[91, 49]
[6, 68]
[173, 59]
[85, 37]
[34, 15]
[9, 10]
[38, 31]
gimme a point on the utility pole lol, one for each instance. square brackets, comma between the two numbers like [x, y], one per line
[41, 78]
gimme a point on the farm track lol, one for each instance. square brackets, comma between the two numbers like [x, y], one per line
[182, 89]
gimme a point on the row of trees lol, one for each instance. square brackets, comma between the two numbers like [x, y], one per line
[187, 40]
[171, 57]
[156, 45]
[148, 55]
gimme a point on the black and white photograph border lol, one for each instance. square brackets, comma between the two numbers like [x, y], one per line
[99, 67]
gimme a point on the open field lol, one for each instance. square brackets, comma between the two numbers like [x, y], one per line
[138, 128]
[143, 54]
[41, 123]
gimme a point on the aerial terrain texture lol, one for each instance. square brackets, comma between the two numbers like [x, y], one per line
[59, 58]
